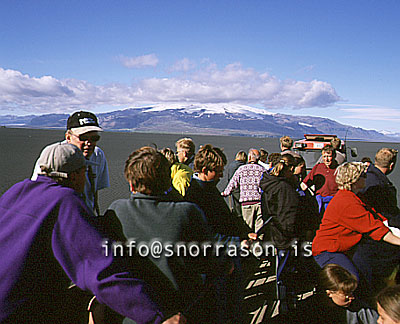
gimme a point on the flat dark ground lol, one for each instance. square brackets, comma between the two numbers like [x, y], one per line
[20, 147]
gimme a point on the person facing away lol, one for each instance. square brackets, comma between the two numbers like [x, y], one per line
[322, 176]
[83, 131]
[181, 174]
[240, 159]
[379, 191]
[150, 215]
[247, 179]
[50, 238]
[334, 300]
[185, 150]
[263, 158]
[280, 204]
[286, 143]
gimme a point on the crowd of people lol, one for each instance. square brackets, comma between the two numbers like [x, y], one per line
[63, 261]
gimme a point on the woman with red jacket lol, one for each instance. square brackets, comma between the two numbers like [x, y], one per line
[346, 220]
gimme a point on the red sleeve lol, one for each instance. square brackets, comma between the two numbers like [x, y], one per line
[357, 218]
[310, 175]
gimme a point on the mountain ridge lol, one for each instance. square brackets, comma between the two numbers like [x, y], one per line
[210, 119]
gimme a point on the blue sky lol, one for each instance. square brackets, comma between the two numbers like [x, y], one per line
[335, 59]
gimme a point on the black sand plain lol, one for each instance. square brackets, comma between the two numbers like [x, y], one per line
[20, 147]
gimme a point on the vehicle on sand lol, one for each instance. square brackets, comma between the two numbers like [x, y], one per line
[311, 145]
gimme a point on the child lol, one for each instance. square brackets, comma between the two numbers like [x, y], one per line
[334, 301]
[388, 302]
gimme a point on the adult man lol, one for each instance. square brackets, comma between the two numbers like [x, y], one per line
[83, 132]
[339, 156]
[322, 176]
[150, 214]
[247, 178]
[240, 159]
[185, 150]
[376, 261]
[286, 144]
[49, 238]
[379, 191]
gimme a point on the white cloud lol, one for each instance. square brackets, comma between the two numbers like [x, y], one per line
[231, 84]
[139, 61]
[369, 112]
[183, 65]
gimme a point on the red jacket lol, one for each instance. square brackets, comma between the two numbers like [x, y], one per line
[345, 221]
[324, 180]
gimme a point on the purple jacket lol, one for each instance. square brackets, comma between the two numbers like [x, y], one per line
[48, 239]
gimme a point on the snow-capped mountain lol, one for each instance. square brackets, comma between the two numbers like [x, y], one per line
[210, 119]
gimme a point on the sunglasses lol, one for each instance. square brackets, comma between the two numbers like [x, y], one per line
[86, 137]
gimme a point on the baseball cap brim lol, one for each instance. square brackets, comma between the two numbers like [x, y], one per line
[85, 129]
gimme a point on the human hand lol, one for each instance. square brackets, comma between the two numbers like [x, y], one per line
[176, 319]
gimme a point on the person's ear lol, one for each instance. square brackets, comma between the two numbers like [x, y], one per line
[131, 187]
[68, 136]
[329, 293]
[204, 170]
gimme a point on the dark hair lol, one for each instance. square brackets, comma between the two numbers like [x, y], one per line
[328, 148]
[263, 155]
[169, 154]
[336, 278]
[389, 300]
[366, 159]
[148, 171]
[274, 158]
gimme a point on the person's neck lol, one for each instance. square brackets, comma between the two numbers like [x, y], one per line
[382, 169]
[203, 177]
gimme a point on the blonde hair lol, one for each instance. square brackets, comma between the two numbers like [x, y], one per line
[348, 174]
[241, 156]
[286, 142]
[186, 144]
[385, 156]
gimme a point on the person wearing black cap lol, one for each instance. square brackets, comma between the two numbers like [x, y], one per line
[83, 131]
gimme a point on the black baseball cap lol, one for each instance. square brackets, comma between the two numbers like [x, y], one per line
[81, 122]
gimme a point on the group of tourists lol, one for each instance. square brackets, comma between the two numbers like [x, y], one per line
[175, 250]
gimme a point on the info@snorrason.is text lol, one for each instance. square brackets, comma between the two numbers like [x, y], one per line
[157, 248]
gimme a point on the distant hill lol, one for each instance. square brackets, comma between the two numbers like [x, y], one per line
[210, 119]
